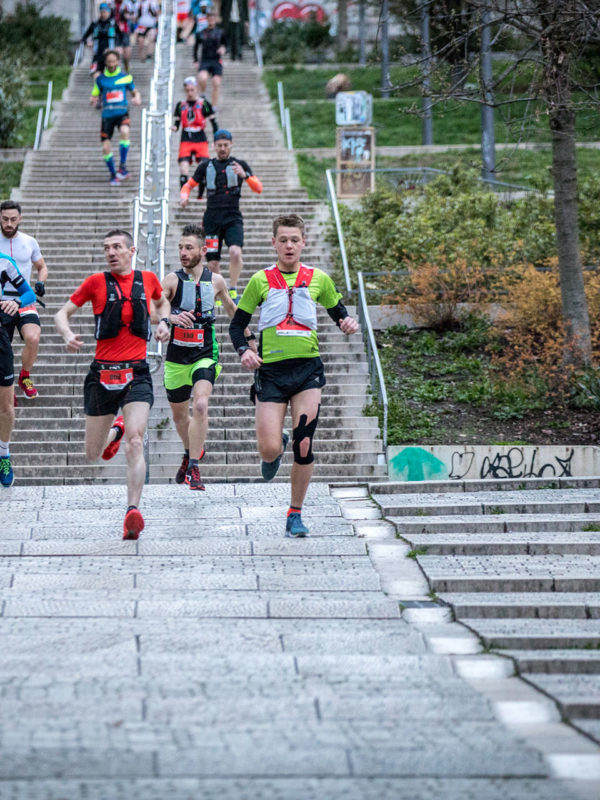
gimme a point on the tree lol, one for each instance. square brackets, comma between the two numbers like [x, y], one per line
[342, 26]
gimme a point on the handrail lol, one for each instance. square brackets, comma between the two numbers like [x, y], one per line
[373, 355]
[281, 104]
[258, 53]
[288, 129]
[38, 130]
[48, 105]
[78, 54]
[338, 227]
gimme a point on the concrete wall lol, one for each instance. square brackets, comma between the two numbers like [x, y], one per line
[481, 462]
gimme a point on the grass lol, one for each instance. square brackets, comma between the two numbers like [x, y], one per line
[10, 176]
[416, 552]
[60, 78]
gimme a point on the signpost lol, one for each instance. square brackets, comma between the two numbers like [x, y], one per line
[355, 144]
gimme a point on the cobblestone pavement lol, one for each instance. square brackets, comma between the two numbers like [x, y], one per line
[214, 658]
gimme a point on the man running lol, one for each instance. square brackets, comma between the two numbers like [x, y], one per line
[214, 46]
[222, 177]
[191, 366]
[112, 86]
[119, 375]
[102, 34]
[26, 252]
[9, 273]
[147, 27]
[192, 114]
[288, 367]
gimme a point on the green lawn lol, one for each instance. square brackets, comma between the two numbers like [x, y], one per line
[10, 177]
[38, 91]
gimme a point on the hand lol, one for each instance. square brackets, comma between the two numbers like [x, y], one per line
[39, 288]
[250, 360]
[185, 319]
[349, 325]
[184, 199]
[74, 342]
[252, 344]
[162, 333]
[221, 50]
[137, 100]
[238, 169]
[174, 127]
[93, 101]
[9, 307]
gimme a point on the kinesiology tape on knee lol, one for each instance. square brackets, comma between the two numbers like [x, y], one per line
[301, 432]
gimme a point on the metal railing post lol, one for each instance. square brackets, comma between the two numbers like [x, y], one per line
[288, 129]
[38, 130]
[281, 103]
[48, 105]
[338, 227]
[375, 368]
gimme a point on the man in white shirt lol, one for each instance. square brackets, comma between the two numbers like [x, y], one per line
[147, 27]
[25, 251]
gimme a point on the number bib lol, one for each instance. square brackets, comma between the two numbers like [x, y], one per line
[212, 244]
[289, 327]
[188, 337]
[116, 379]
[115, 96]
[23, 312]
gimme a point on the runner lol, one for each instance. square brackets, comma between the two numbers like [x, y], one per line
[192, 114]
[119, 376]
[112, 87]
[147, 27]
[191, 366]
[26, 252]
[288, 366]
[183, 17]
[125, 16]
[222, 177]
[102, 34]
[9, 273]
[214, 45]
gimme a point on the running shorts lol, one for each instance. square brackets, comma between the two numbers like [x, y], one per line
[226, 226]
[212, 67]
[110, 123]
[179, 379]
[187, 151]
[26, 316]
[7, 370]
[279, 382]
[98, 401]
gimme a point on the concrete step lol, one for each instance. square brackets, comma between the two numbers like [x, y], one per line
[517, 605]
[556, 661]
[534, 543]
[577, 698]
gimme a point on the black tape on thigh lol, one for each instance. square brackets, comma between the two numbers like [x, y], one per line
[303, 431]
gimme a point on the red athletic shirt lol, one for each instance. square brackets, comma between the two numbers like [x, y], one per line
[125, 346]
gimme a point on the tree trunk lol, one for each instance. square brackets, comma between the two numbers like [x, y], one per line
[557, 87]
[342, 32]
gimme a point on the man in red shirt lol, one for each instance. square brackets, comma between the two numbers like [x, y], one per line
[119, 376]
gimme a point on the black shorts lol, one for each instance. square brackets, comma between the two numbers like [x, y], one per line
[7, 370]
[99, 401]
[9, 323]
[279, 382]
[110, 123]
[227, 226]
[125, 39]
[212, 67]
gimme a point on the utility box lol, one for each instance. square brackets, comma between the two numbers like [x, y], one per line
[356, 159]
[353, 108]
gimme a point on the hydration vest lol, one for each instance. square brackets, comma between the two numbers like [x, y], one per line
[290, 309]
[232, 180]
[109, 321]
[102, 31]
[188, 345]
[192, 118]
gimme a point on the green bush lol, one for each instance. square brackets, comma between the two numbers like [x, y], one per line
[33, 37]
[13, 99]
[295, 41]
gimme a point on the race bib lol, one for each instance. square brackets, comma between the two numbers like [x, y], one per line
[116, 379]
[212, 243]
[188, 337]
[115, 96]
[23, 312]
[289, 327]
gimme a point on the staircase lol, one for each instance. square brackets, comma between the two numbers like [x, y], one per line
[519, 564]
[69, 206]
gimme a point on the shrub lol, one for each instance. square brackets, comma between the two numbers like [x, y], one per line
[33, 37]
[295, 41]
[13, 99]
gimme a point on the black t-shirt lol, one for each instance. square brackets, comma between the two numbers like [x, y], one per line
[210, 39]
[192, 118]
[221, 196]
[105, 33]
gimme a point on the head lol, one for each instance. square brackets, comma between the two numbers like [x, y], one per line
[111, 59]
[191, 246]
[288, 239]
[104, 9]
[118, 251]
[190, 86]
[10, 217]
[223, 143]
[211, 18]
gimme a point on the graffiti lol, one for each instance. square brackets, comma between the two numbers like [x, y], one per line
[514, 464]
[290, 10]
[461, 464]
[416, 464]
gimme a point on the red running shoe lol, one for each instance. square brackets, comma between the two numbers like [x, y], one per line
[27, 387]
[194, 481]
[111, 449]
[134, 523]
[182, 471]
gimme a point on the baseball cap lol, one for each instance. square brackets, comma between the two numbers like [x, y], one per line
[104, 7]
[222, 134]
[190, 81]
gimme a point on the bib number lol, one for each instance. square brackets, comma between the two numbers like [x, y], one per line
[212, 244]
[188, 337]
[115, 96]
[289, 327]
[23, 312]
[116, 379]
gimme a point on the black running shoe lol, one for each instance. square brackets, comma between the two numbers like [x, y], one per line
[182, 471]
[270, 468]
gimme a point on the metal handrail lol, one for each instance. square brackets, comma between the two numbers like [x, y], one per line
[78, 54]
[38, 130]
[48, 105]
[281, 104]
[288, 129]
[375, 369]
[338, 227]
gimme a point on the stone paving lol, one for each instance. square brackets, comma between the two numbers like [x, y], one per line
[214, 658]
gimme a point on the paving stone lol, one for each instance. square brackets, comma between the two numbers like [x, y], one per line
[578, 696]
[557, 660]
[542, 633]
[523, 604]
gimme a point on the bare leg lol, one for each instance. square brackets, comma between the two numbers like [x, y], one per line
[235, 265]
[269, 427]
[202, 80]
[7, 412]
[31, 337]
[214, 266]
[181, 418]
[304, 403]
[98, 434]
[136, 418]
[199, 422]
[216, 90]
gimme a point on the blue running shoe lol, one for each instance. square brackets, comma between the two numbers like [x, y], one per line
[122, 174]
[7, 476]
[294, 527]
[270, 468]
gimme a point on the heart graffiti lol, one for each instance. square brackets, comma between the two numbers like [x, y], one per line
[289, 10]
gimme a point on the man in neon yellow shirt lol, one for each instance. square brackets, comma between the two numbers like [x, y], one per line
[287, 367]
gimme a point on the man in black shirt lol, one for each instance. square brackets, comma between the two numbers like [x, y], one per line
[213, 43]
[105, 35]
[222, 177]
[192, 114]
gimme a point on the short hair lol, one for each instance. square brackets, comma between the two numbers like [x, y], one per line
[111, 52]
[10, 205]
[193, 230]
[288, 221]
[118, 232]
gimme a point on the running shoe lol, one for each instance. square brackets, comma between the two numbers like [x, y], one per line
[27, 387]
[182, 471]
[114, 182]
[110, 451]
[234, 296]
[294, 527]
[194, 481]
[133, 524]
[7, 476]
[122, 174]
[270, 468]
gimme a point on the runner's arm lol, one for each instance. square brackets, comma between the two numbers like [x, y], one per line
[177, 117]
[61, 322]
[12, 274]
[238, 327]
[162, 309]
[88, 32]
[229, 306]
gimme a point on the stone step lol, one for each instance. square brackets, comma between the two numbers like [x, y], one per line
[578, 698]
[510, 605]
[494, 523]
[473, 544]
[554, 661]
[539, 634]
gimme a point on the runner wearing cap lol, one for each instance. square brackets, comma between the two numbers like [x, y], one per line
[102, 34]
[122, 300]
[213, 43]
[222, 177]
[192, 114]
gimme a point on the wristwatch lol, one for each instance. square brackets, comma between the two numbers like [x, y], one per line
[166, 320]
[242, 349]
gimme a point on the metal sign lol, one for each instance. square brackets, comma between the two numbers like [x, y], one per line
[355, 151]
[353, 108]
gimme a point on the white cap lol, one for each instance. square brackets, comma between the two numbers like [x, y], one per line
[190, 81]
